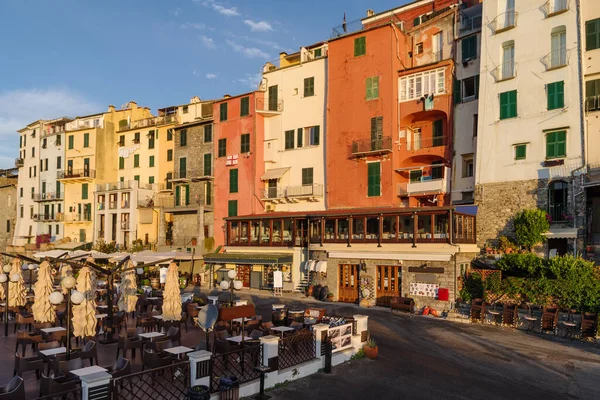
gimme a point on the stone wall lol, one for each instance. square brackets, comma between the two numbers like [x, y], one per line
[8, 205]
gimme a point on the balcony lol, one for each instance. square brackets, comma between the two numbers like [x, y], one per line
[108, 187]
[557, 58]
[77, 125]
[19, 162]
[77, 218]
[48, 217]
[273, 193]
[314, 190]
[506, 70]
[152, 121]
[469, 25]
[555, 7]
[367, 147]
[190, 175]
[76, 175]
[269, 108]
[426, 143]
[504, 22]
[101, 206]
[52, 196]
[425, 186]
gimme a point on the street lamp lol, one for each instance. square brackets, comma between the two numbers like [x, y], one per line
[31, 267]
[73, 296]
[231, 285]
[4, 278]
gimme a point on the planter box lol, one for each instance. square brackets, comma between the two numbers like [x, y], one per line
[229, 313]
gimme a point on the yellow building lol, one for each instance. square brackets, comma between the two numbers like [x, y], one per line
[90, 159]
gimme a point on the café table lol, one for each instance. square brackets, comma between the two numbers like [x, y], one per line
[238, 339]
[282, 329]
[88, 370]
[179, 351]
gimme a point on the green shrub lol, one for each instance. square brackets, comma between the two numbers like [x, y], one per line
[522, 265]
[472, 288]
[530, 226]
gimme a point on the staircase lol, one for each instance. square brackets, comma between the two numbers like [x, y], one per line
[304, 282]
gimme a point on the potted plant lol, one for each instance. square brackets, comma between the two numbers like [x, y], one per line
[199, 392]
[370, 348]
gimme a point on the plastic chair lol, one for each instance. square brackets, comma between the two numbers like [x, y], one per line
[89, 351]
[49, 385]
[24, 364]
[64, 367]
[127, 343]
[14, 389]
[120, 368]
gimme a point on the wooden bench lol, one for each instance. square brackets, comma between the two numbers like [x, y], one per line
[405, 304]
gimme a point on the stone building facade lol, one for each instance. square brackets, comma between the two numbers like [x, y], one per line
[8, 205]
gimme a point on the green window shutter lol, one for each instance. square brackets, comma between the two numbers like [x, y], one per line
[374, 179]
[512, 99]
[289, 140]
[307, 176]
[121, 163]
[71, 140]
[151, 161]
[457, 91]
[520, 152]
[550, 148]
[170, 155]
[169, 134]
[177, 195]
[560, 94]
[561, 144]
[151, 180]
[299, 142]
[232, 209]
[503, 105]
[317, 135]
[187, 195]
[591, 34]
[244, 106]
[369, 89]
[223, 111]
[233, 180]
[476, 86]
[207, 164]
[136, 160]
[208, 192]
[465, 50]
[137, 178]
[208, 133]
[360, 46]
[222, 151]
[375, 87]
[182, 167]
[183, 138]
[84, 191]
[245, 143]
[550, 94]
[86, 140]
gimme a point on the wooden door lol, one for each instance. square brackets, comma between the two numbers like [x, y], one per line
[389, 283]
[348, 290]
[243, 274]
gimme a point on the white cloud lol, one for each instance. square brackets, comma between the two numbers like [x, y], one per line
[23, 106]
[208, 42]
[192, 25]
[250, 80]
[260, 26]
[210, 76]
[177, 12]
[268, 43]
[250, 52]
[227, 11]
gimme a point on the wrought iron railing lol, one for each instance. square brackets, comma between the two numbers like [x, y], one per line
[426, 143]
[506, 70]
[296, 349]
[469, 25]
[239, 363]
[74, 394]
[372, 146]
[553, 7]
[273, 193]
[48, 217]
[504, 21]
[48, 196]
[76, 173]
[556, 58]
[269, 105]
[316, 189]
[169, 382]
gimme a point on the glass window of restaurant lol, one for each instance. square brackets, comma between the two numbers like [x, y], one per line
[277, 231]
[406, 227]
[372, 228]
[441, 226]
[358, 228]
[234, 232]
[329, 229]
[244, 232]
[342, 229]
[254, 231]
[288, 229]
[389, 228]
[315, 230]
[265, 232]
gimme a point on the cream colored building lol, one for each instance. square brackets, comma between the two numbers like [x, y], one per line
[294, 130]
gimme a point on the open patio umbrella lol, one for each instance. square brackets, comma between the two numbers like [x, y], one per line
[84, 314]
[128, 289]
[65, 270]
[171, 295]
[42, 308]
[16, 289]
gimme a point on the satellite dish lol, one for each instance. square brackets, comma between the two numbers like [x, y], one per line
[207, 316]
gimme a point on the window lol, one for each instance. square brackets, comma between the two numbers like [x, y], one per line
[222, 150]
[33, 152]
[556, 95]
[59, 162]
[21, 192]
[136, 161]
[469, 48]
[121, 163]
[71, 142]
[233, 180]
[245, 143]
[475, 122]
[244, 106]
[208, 193]
[208, 164]
[360, 46]
[520, 151]
[556, 145]
[300, 136]
[208, 133]
[46, 164]
[44, 143]
[470, 88]
[151, 140]
[437, 42]
[309, 86]
[415, 86]
[558, 192]
[592, 91]
[183, 137]
[314, 135]
[58, 192]
[121, 140]
[374, 179]
[151, 180]
[84, 191]
[592, 34]
[185, 109]
[86, 140]
[8, 225]
[317, 53]
[169, 134]
[182, 167]
[508, 60]
[168, 179]
[508, 104]
[274, 98]
[232, 208]
[437, 172]
[438, 133]
[136, 137]
[21, 212]
[136, 178]
[558, 43]
[467, 166]
[376, 133]
[419, 48]
[151, 161]
[58, 141]
[307, 176]
[415, 175]
[372, 88]
[223, 112]
[289, 140]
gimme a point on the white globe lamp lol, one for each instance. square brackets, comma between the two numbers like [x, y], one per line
[56, 298]
[224, 285]
[232, 274]
[31, 267]
[7, 268]
[68, 282]
[3, 278]
[77, 297]
[237, 285]
[15, 277]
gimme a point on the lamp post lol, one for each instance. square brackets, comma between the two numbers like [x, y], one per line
[31, 267]
[73, 296]
[231, 285]
[4, 278]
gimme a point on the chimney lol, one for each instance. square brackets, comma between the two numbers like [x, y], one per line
[226, 96]
[370, 13]
[111, 108]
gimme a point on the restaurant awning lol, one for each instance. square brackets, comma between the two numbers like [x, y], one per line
[73, 246]
[315, 265]
[321, 266]
[309, 265]
[274, 173]
[248, 258]
[565, 233]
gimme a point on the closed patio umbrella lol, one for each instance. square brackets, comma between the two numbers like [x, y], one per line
[84, 314]
[16, 290]
[42, 308]
[171, 295]
[66, 270]
[128, 289]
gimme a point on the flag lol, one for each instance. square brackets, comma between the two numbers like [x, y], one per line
[344, 23]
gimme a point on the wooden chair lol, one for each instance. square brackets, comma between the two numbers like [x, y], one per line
[14, 389]
[24, 364]
[24, 338]
[510, 315]
[22, 320]
[549, 319]
[126, 343]
[589, 326]
[477, 310]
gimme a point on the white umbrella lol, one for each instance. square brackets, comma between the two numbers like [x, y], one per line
[42, 308]
[172, 296]
[16, 286]
[65, 270]
[128, 290]
[84, 314]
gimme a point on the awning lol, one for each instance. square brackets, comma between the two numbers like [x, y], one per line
[565, 233]
[321, 266]
[309, 265]
[73, 246]
[274, 173]
[249, 258]
[469, 210]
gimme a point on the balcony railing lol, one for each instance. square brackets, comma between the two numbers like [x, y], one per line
[76, 174]
[425, 186]
[83, 217]
[273, 193]
[314, 190]
[504, 71]
[554, 7]
[76, 125]
[426, 143]
[125, 225]
[190, 174]
[19, 162]
[269, 106]
[369, 146]
[557, 58]
[469, 25]
[107, 187]
[503, 22]
[152, 121]
[52, 196]
[47, 217]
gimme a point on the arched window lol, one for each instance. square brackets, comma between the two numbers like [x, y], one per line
[558, 44]
[508, 59]
[557, 200]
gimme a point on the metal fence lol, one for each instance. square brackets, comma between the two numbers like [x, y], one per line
[74, 394]
[296, 349]
[239, 363]
[169, 383]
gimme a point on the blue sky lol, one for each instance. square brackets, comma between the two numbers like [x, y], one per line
[74, 57]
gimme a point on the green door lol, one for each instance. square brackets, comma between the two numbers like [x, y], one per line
[273, 100]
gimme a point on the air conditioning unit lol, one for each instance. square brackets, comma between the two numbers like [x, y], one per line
[269, 208]
[591, 103]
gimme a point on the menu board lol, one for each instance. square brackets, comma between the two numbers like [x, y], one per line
[341, 337]
[424, 289]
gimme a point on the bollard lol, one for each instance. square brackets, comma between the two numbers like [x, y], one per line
[261, 394]
[328, 354]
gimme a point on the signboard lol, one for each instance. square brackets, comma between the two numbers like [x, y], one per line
[424, 289]
[341, 337]
[277, 279]
[163, 274]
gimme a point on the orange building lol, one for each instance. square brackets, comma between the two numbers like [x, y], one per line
[238, 131]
